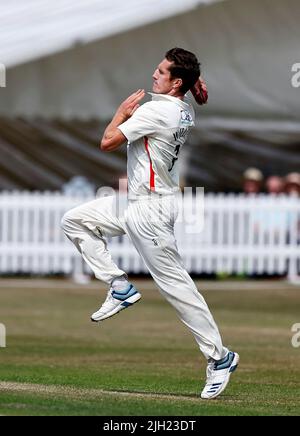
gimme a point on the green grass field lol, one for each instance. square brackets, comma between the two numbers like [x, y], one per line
[144, 361]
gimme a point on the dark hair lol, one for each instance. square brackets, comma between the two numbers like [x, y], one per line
[185, 67]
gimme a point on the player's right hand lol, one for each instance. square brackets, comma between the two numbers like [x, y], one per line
[199, 91]
[130, 105]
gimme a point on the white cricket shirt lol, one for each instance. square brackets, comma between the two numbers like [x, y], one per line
[156, 132]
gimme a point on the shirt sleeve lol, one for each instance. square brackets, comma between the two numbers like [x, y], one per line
[145, 121]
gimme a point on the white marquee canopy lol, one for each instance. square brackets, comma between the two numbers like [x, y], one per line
[36, 28]
[81, 58]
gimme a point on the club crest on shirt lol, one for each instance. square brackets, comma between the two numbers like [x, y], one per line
[186, 118]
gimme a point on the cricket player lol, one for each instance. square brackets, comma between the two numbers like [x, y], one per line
[155, 133]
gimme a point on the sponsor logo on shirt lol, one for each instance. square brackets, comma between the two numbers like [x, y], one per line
[186, 117]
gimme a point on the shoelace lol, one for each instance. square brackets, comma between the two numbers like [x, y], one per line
[109, 296]
[210, 370]
[211, 367]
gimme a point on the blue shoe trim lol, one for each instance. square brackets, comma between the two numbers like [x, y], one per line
[225, 362]
[125, 293]
[126, 304]
[233, 368]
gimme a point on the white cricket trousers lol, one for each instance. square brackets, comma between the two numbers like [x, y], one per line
[149, 224]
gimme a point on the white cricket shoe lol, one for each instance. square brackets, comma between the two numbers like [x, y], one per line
[218, 374]
[115, 302]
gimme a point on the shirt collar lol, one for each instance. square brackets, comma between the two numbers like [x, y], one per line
[163, 97]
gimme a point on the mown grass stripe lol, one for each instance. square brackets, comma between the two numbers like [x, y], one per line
[84, 393]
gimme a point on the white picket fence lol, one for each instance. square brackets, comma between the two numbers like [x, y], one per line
[241, 234]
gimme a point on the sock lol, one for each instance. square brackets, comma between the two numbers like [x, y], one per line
[119, 283]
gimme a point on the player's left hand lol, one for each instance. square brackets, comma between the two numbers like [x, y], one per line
[130, 105]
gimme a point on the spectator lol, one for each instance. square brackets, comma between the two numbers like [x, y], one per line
[275, 185]
[292, 184]
[253, 180]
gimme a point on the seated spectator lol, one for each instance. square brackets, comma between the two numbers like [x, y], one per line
[253, 180]
[292, 184]
[275, 185]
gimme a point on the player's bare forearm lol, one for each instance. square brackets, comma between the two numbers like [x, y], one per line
[113, 137]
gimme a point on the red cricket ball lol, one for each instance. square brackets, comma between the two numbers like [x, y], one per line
[199, 91]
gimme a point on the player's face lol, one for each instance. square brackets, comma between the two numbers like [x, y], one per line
[162, 83]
